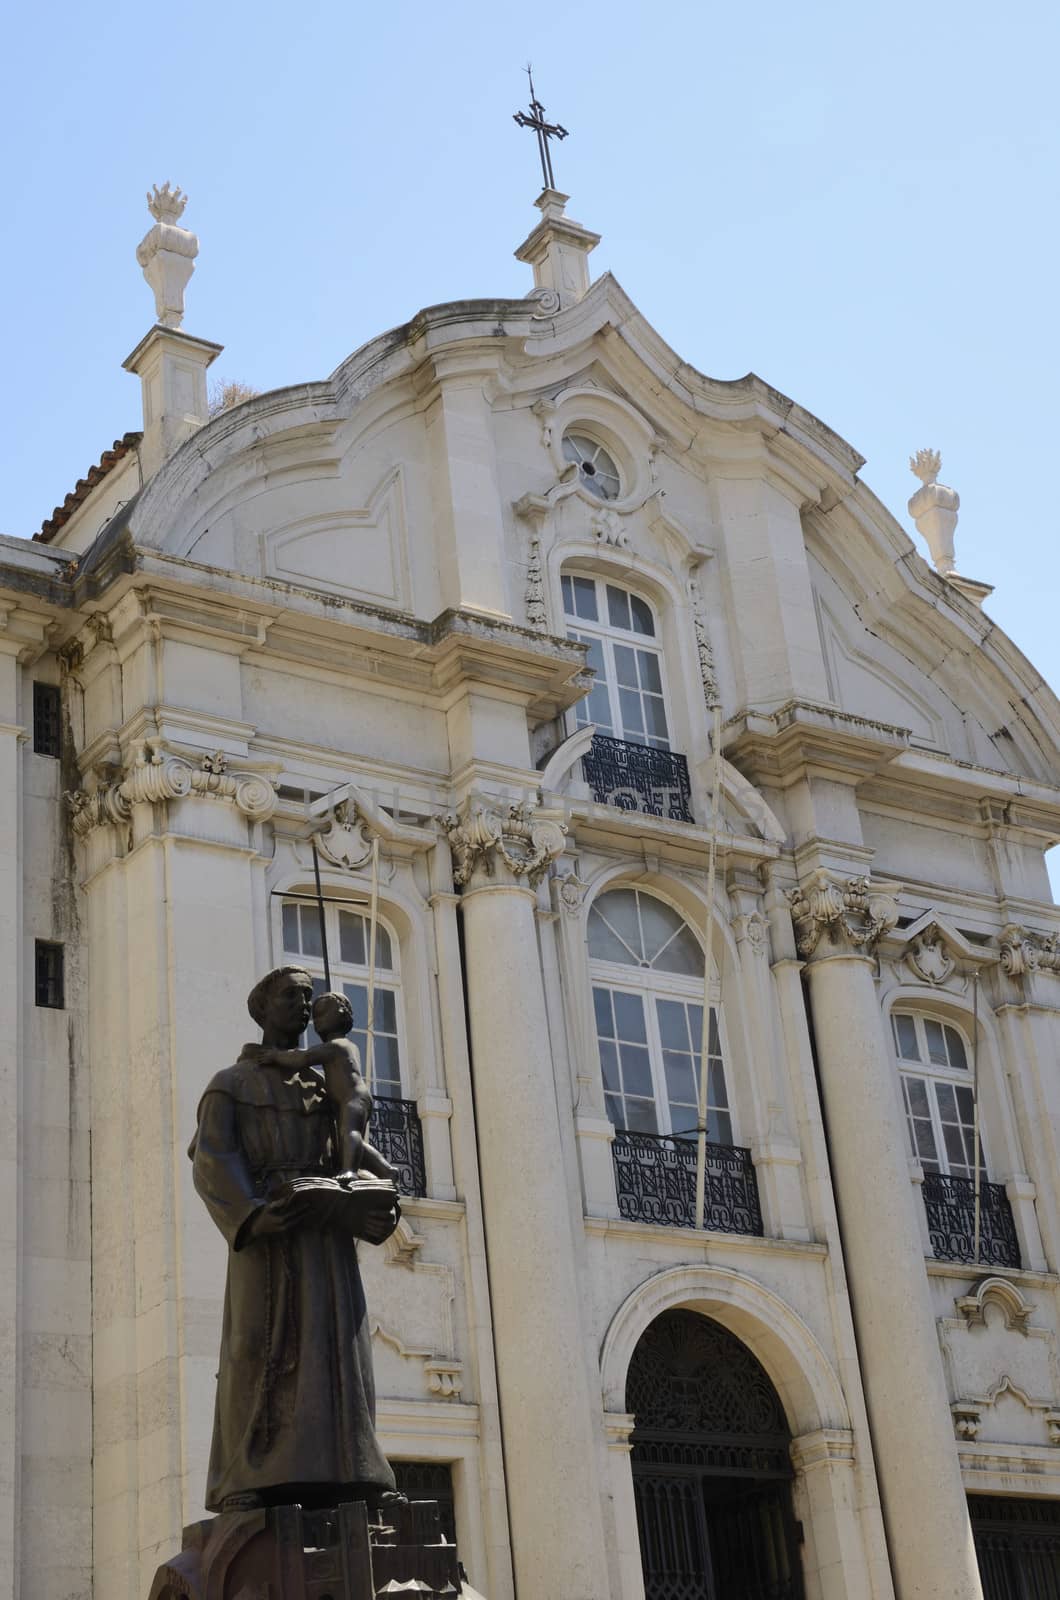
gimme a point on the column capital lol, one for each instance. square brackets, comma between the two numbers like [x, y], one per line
[502, 846]
[156, 774]
[849, 914]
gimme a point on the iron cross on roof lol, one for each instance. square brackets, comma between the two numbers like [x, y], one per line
[544, 130]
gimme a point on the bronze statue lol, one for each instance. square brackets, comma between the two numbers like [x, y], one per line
[294, 1421]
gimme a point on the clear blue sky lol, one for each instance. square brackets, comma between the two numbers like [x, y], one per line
[857, 203]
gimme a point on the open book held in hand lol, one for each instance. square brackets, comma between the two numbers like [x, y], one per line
[344, 1203]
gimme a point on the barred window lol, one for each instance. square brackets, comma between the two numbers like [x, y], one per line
[47, 719]
[348, 950]
[647, 972]
[429, 1480]
[48, 975]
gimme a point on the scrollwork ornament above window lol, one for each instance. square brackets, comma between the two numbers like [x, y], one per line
[847, 913]
[704, 648]
[346, 842]
[536, 612]
[929, 960]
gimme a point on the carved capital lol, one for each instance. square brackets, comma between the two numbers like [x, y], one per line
[521, 841]
[846, 913]
[1023, 952]
[155, 775]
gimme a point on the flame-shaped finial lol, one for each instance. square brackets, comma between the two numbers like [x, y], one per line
[934, 509]
[167, 253]
[166, 204]
[926, 465]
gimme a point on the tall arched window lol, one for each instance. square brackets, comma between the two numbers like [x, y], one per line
[628, 699]
[647, 973]
[348, 933]
[936, 1092]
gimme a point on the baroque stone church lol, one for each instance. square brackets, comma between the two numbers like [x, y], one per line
[676, 832]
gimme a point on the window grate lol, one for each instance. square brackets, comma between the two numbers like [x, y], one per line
[49, 984]
[655, 1178]
[429, 1480]
[47, 719]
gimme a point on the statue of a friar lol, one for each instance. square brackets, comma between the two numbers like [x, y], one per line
[294, 1421]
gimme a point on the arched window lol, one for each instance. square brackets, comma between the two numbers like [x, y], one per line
[628, 699]
[348, 936]
[937, 1092]
[647, 973]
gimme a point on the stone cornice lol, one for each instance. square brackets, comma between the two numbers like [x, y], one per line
[778, 746]
[155, 775]
[849, 914]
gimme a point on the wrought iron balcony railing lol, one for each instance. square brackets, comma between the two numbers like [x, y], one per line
[950, 1206]
[396, 1133]
[655, 1176]
[636, 777]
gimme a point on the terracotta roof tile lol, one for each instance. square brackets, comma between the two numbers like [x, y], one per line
[84, 486]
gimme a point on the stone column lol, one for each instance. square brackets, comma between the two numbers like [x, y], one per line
[12, 737]
[837, 924]
[825, 1480]
[549, 1422]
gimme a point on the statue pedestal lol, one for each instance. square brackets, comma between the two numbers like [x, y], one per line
[288, 1553]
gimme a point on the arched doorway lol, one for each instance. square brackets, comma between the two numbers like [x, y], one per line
[711, 1467]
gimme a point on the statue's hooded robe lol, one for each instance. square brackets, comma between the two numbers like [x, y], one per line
[295, 1411]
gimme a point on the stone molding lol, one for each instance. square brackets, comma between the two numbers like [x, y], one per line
[1013, 1305]
[968, 1412]
[522, 842]
[1023, 951]
[823, 1447]
[156, 775]
[850, 913]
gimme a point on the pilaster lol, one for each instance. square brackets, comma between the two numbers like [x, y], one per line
[173, 869]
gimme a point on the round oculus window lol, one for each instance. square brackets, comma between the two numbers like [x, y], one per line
[596, 469]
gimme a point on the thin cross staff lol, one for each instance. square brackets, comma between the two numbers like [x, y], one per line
[544, 129]
[373, 923]
[708, 973]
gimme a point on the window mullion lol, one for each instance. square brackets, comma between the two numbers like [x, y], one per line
[942, 1155]
[612, 687]
[658, 1076]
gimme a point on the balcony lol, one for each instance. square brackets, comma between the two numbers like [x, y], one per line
[396, 1133]
[950, 1206]
[636, 777]
[655, 1176]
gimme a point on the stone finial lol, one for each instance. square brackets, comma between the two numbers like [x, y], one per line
[166, 204]
[934, 509]
[926, 465]
[167, 254]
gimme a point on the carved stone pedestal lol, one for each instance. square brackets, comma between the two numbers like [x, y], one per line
[287, 1553]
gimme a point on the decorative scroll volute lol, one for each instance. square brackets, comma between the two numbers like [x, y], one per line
[522, 842]
[155, 775]
[846, 913]
[1024, 952]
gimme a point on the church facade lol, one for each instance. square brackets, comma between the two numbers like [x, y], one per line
[410, 677]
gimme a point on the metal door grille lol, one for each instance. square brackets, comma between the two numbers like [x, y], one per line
[1018, 1546]
[711, 1467]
